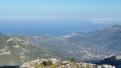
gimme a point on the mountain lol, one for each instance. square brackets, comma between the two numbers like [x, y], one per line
[82, 46]
[107, 39]
[15, 51]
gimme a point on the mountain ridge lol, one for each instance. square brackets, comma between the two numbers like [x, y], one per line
[82, 46]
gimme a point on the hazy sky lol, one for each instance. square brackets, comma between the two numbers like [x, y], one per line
[57, 16]
[48, 9]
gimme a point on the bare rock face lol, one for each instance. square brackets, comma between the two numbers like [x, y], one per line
[56, 63]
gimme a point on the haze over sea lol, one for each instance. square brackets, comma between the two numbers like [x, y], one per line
[48, 27]
[57, 17]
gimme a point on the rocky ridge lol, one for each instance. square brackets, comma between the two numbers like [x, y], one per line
[56, 63]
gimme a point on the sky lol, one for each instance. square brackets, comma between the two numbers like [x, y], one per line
[93, 10]
[57, 16]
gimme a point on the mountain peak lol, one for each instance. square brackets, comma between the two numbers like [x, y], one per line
[15, 39]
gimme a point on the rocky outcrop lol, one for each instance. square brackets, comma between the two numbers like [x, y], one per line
[56, 63]
[114, 60]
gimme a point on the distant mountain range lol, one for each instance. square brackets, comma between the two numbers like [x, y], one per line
[82, 46]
